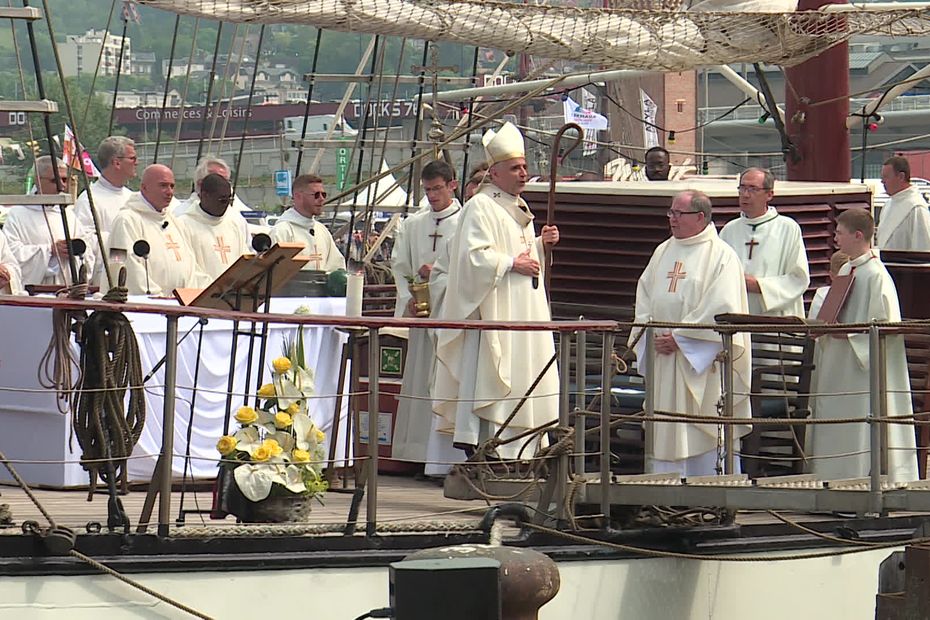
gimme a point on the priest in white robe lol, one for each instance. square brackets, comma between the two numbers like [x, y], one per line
[216, 234]
[770, 248]
[116, 160]
[904, 222]
[495, 258]
[299, 225]
[842, 450]
[36, 234]
[206, 166]
[170, 262]
[418, 242]
[691, 277]
[11, 282]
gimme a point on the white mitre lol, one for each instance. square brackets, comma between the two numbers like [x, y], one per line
[506, 143]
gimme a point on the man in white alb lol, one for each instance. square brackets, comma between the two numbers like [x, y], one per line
[495, 275]
[299, 225]
[36, 233]
[841, 451]
[691, 278]
[116, 160]
[904, 222]
[770, 248]
[418, 242]
[170, 262]
[10, 281]
[216, 234]
[209, 165]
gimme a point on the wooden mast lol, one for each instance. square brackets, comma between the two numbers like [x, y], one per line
[819, 132]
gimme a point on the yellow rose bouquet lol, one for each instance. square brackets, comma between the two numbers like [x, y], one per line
[278, 449]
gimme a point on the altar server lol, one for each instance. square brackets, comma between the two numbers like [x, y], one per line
[419, 241]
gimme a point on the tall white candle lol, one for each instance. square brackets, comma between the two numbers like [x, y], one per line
[354, 284]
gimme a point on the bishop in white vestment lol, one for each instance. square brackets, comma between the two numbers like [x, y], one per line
[494, 258]
[418, 243]
[770, 248]
[216, 234]
[299, 225]
[904, 221]
[690, 278]
[171, 263]
[842, 450]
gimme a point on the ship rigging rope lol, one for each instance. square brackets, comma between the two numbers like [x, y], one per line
[187, 84]
[164, 99]
[93, 82]
[661, 36]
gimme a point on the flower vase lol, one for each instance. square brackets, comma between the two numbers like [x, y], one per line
[280, 509]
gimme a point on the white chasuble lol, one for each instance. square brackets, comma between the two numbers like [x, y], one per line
[418, 241]
[171, 262]
[843, 373]
[292, 227]
[690, 281]
[15, 285]
[217, 242]
[32, 231]
[479, 369]
[108, 201]
[771, 248]
[904, 223]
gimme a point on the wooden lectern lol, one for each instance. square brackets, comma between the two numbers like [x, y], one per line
[245, 287]
[246, 284]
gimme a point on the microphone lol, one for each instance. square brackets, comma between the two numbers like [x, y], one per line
[261, 242]
[164, 225]
[141, 248]
[312, 232]
[77, 248]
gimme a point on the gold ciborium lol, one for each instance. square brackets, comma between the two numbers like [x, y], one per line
[420, 293]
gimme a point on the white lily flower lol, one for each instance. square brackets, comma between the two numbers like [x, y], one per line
[255, 480]
[302, 425]
[248, 439]
[294, 481]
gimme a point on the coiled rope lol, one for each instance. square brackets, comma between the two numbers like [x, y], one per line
[111, 364]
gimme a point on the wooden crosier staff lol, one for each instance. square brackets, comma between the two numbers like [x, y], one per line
[553, 171]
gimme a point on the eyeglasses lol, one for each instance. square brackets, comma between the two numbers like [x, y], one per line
[676, 214]
[749, 189]
[319, 195]
[133, 158]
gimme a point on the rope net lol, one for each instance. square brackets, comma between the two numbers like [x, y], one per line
[662, 35]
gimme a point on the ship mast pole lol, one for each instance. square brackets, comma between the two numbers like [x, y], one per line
[819, 132]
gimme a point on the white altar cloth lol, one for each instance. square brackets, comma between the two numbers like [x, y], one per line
[34, 430]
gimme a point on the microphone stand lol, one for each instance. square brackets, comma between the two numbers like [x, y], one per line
[201, 321]
[145, 261]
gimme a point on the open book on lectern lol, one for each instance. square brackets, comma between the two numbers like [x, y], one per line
[244, 285]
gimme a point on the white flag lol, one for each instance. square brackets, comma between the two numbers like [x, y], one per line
[649, 110]
[588, 119]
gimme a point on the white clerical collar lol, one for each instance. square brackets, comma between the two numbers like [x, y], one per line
[107, 185]
[451, 209]
[709, 232]
[863, 259]
[299, 218]
[161, 215]
[769, 215]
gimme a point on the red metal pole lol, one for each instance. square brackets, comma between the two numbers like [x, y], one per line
[821, 138]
